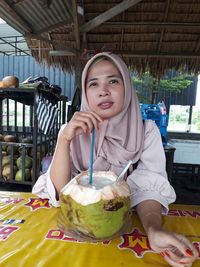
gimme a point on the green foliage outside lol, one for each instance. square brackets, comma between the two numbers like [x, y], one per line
[152, 85]
[178, 119]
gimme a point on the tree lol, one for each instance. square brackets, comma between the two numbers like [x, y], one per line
[148, 86]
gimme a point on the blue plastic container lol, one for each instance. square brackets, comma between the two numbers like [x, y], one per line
[153, 112]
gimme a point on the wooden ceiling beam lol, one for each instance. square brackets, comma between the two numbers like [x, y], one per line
[110, 13]
[50, 39]
[124, 24]
[197, 45]
[139, 54]
[76, 27]
[154, 54]
[122, 33]
[15, 17]
[163, 29]
[63, 53]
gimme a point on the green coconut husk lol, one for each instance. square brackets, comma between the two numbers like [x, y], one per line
[99, 221]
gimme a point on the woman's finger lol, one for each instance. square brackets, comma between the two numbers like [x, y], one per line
[189, 249]
[91, 119]
[172, 262]
[94, 118]
[179, 244]
[97, 116]
[77, 122]
[175, 255]
[88, 122]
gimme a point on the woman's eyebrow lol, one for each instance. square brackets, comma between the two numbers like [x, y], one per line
[114, 76]
[92, 79]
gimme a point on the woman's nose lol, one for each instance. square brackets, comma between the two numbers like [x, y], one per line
[104, 91]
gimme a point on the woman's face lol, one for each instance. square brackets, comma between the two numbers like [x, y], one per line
[105, 89]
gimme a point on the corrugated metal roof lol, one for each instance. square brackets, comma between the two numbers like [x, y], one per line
[36, 15]
[150, 35]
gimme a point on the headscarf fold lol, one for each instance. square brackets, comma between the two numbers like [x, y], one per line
[120, 138]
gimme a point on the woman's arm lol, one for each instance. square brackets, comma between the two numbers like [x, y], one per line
[177, 250]
[151, 194]
[60, 171]
[149, 212]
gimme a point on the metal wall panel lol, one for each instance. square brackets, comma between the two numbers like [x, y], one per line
[25, 66]
[187, 97]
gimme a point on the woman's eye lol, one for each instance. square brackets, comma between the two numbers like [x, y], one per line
[93, 84]
[114, 81]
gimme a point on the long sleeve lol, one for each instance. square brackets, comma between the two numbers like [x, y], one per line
[149, 180]
[44, 187]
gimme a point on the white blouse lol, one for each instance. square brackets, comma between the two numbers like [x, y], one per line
[148, 181]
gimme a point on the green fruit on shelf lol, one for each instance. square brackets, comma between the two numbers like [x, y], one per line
[28, 162]
[19, 175]
[4, 147]
[27, 150]
[15, 149]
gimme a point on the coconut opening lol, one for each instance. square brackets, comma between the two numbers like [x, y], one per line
[98, 182]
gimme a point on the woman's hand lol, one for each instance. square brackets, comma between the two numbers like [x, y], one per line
[176, 249]
[81, 122]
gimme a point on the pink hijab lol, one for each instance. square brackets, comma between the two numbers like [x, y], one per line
[119, 138]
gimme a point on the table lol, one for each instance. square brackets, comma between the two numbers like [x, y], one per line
[29, 237]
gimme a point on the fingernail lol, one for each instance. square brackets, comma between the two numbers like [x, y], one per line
[167, 254]
[183, 262]
[189, 252]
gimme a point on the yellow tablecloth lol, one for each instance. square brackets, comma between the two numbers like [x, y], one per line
[29, 237]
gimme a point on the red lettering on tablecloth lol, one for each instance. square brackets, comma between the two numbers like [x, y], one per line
[6, 231]
[136, 241]
[183, 213]
[9, 200]
[57, 234]
[37, 203]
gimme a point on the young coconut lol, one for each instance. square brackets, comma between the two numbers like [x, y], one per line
[96, 212]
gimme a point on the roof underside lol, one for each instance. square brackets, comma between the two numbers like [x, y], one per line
[149, 34]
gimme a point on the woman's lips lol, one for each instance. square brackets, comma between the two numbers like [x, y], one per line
[105, 105]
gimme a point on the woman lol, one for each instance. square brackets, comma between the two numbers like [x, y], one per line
[109, 104]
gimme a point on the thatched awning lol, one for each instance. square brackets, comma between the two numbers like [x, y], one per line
[155, 35]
